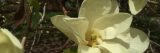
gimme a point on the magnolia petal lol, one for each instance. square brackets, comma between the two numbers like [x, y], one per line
[108, 33]
[140, 41]
[85, 49]
[58, 21]
[110, 47]
[126, 37]
[92, 9]
[136, 6]
[73, 28]
[9, 43]
[115, 7]
[79, 25]
[120, 22]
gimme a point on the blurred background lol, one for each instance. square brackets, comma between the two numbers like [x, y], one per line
[30, 21]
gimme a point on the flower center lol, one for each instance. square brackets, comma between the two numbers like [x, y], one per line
[92, 37]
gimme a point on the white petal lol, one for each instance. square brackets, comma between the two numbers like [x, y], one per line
[79, 25]
[136, 5]
[110, 47]
[108, 33]
[74, 28]
[9, 43]
[126, 37]
[92, 9]
[140, 41]
[86, 49]
[120, 22]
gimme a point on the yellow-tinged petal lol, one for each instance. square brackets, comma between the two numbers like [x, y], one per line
[111, 47]
[92, 9]
[140, 41]
[115, 23]
[73, 28]
[108, 33]
[79, 25]
[9, 43]
[136, 5]
[86, 49]
[125, 36]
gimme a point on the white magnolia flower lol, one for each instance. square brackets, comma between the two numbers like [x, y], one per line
[136, 6]
[9, 43]
[100, 28]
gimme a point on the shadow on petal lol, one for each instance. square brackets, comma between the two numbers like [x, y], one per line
[140, 41]
[135, 32]
[117, 41]
[120, 21]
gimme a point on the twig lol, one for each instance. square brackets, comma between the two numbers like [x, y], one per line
[150, 46]
[39, 37]
[44, 11]
[148, 33]
[155, 43]
[42, 17]
[154, 2]
[33, 43]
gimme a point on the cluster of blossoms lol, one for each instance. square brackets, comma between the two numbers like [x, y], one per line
[101, 28]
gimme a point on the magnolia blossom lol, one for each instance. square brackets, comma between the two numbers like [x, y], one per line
[9, 43]
[101, 28]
